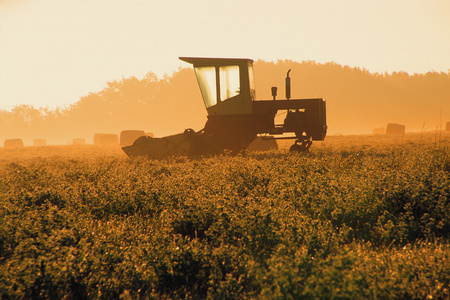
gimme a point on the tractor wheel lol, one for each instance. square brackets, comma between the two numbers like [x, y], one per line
[300, 148]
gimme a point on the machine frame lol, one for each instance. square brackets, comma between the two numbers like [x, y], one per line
[235, 117]
[238, 120]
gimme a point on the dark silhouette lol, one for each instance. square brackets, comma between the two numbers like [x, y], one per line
[235, 116]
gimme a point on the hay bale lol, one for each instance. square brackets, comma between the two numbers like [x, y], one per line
[104, 139]
[127, 137]
[395, 128]
[379, 131]
[260, 144]
[79, 141]
[39, 142]
[13, 143]
[447, 126]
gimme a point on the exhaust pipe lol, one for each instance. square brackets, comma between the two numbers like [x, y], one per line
[288, 85]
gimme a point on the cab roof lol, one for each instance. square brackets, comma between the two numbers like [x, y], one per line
[210, 61]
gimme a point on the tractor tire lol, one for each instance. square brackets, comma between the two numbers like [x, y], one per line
[298, 148]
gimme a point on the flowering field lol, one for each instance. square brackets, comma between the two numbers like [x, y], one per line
[357, 217]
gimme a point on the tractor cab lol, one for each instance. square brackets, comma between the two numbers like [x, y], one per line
[226, 84]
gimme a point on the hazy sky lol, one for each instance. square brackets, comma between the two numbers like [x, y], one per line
[52, 52]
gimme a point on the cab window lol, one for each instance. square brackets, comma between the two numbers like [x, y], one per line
[206, 77]
[251, 80]
[229, 82]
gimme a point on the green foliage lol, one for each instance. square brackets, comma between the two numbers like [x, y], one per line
[353, 223]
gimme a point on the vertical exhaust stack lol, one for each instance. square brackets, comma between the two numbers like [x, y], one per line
[288, 85]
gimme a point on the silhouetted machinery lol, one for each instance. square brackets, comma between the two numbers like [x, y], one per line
[235, 118]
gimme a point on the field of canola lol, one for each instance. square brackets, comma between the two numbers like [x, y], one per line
[358, 217]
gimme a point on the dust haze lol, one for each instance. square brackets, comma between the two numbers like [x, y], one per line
[358, 102]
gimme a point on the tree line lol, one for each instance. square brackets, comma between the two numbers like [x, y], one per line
[357, 102]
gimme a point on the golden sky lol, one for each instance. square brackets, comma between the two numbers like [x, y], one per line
[52, 52]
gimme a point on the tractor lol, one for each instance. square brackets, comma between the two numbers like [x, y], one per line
[235, 117]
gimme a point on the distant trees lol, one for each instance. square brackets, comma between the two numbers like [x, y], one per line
[158, 105]
[27, 122]
[162, 106]
[357, 102]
